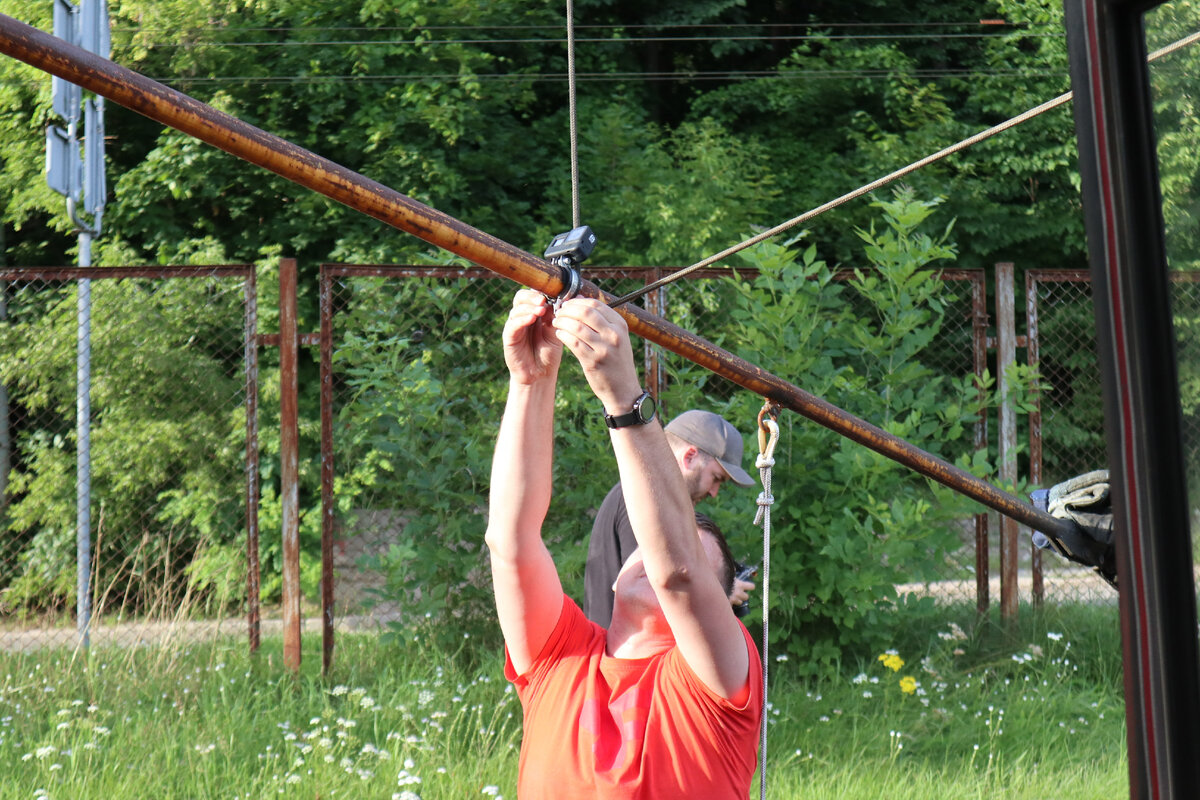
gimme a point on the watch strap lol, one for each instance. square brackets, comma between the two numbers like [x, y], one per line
[636, 416]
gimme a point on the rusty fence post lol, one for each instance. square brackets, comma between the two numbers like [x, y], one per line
[289, 461]
[327, 474]
[1006, 356]
[655, 305]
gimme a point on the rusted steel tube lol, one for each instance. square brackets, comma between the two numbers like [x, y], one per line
[289, 462]
[327, 501]
[253, 568]
[188, 115]
[177, 110]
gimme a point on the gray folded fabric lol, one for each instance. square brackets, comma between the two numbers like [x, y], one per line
[1085, 499]
[1081, 491]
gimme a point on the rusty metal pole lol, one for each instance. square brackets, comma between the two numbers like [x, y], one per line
[327, 510]
[1006, 359]
[289, 461]
[165, 105]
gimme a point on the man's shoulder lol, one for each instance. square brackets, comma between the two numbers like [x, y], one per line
[575, 637]
[614, 497]
[679, 673]
[611, 510]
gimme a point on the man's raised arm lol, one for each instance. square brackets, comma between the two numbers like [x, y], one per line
[528, 592]
[660, 511]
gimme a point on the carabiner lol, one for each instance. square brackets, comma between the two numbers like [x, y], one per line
[768, 431]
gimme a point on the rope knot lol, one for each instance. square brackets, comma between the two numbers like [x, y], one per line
[764, 461]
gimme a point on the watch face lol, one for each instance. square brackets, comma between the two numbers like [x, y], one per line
[646, 408]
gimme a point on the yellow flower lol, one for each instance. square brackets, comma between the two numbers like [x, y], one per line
[908, 684]
[892, 660]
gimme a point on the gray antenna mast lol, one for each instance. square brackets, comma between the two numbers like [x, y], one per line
[79, 177]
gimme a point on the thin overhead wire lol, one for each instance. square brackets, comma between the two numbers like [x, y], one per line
[617, 77]
[542, 40]
[876, 184]
[571, 108]
[222, 27]
[591, 77]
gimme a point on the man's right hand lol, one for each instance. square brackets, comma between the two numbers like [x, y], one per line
[531, 349]
[599, 338]
[741, 592]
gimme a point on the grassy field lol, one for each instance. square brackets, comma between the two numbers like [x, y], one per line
[1030, 713]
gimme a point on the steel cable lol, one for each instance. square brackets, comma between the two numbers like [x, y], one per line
[876, 184]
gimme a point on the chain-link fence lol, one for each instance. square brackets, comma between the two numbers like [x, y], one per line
[1066, 431]
[957, 349]
[415, 382]
[411, 378]
[169, 354]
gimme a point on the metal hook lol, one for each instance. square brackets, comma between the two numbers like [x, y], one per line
[768, 429]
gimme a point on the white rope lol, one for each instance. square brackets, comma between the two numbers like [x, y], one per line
[764, 462]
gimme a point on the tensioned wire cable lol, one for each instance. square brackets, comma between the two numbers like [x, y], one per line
[805, 37]
[572, 115]
[623, 77]
[872, 186]
[596, 26]
[1021, 74]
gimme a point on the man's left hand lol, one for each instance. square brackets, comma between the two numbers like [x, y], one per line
[531, 350]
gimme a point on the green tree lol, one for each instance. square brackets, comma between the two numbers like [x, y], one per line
[849, 524]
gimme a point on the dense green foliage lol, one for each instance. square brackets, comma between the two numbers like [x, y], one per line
[765, 112]
[424, 386]
[850, 525]
[699, 122]
[167, 441]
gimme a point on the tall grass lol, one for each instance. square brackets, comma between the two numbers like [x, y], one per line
[953, 710]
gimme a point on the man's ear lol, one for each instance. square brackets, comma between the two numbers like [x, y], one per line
[689, 456]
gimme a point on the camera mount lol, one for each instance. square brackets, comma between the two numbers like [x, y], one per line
[568, 250]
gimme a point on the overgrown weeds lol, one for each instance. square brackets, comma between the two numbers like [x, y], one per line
[955, 709]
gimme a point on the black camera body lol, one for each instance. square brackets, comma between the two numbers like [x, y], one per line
[574, 246]
[744, 573]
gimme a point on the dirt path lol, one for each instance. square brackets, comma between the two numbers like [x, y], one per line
[159, 633]
[1061, 585]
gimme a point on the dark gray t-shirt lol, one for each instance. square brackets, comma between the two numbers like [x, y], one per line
[611, 543]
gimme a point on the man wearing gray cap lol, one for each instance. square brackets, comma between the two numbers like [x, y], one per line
[708, 450]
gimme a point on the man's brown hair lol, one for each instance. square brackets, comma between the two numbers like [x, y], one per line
[728, 563]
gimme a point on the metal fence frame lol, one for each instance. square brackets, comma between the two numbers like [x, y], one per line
[654, 379]
[250, 345]
[1034, 279]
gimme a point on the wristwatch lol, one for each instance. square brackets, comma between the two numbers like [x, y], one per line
[643, 411]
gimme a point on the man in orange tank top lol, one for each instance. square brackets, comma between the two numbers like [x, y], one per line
[666, 702]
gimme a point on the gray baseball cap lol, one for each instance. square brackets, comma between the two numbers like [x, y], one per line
[712, 434]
